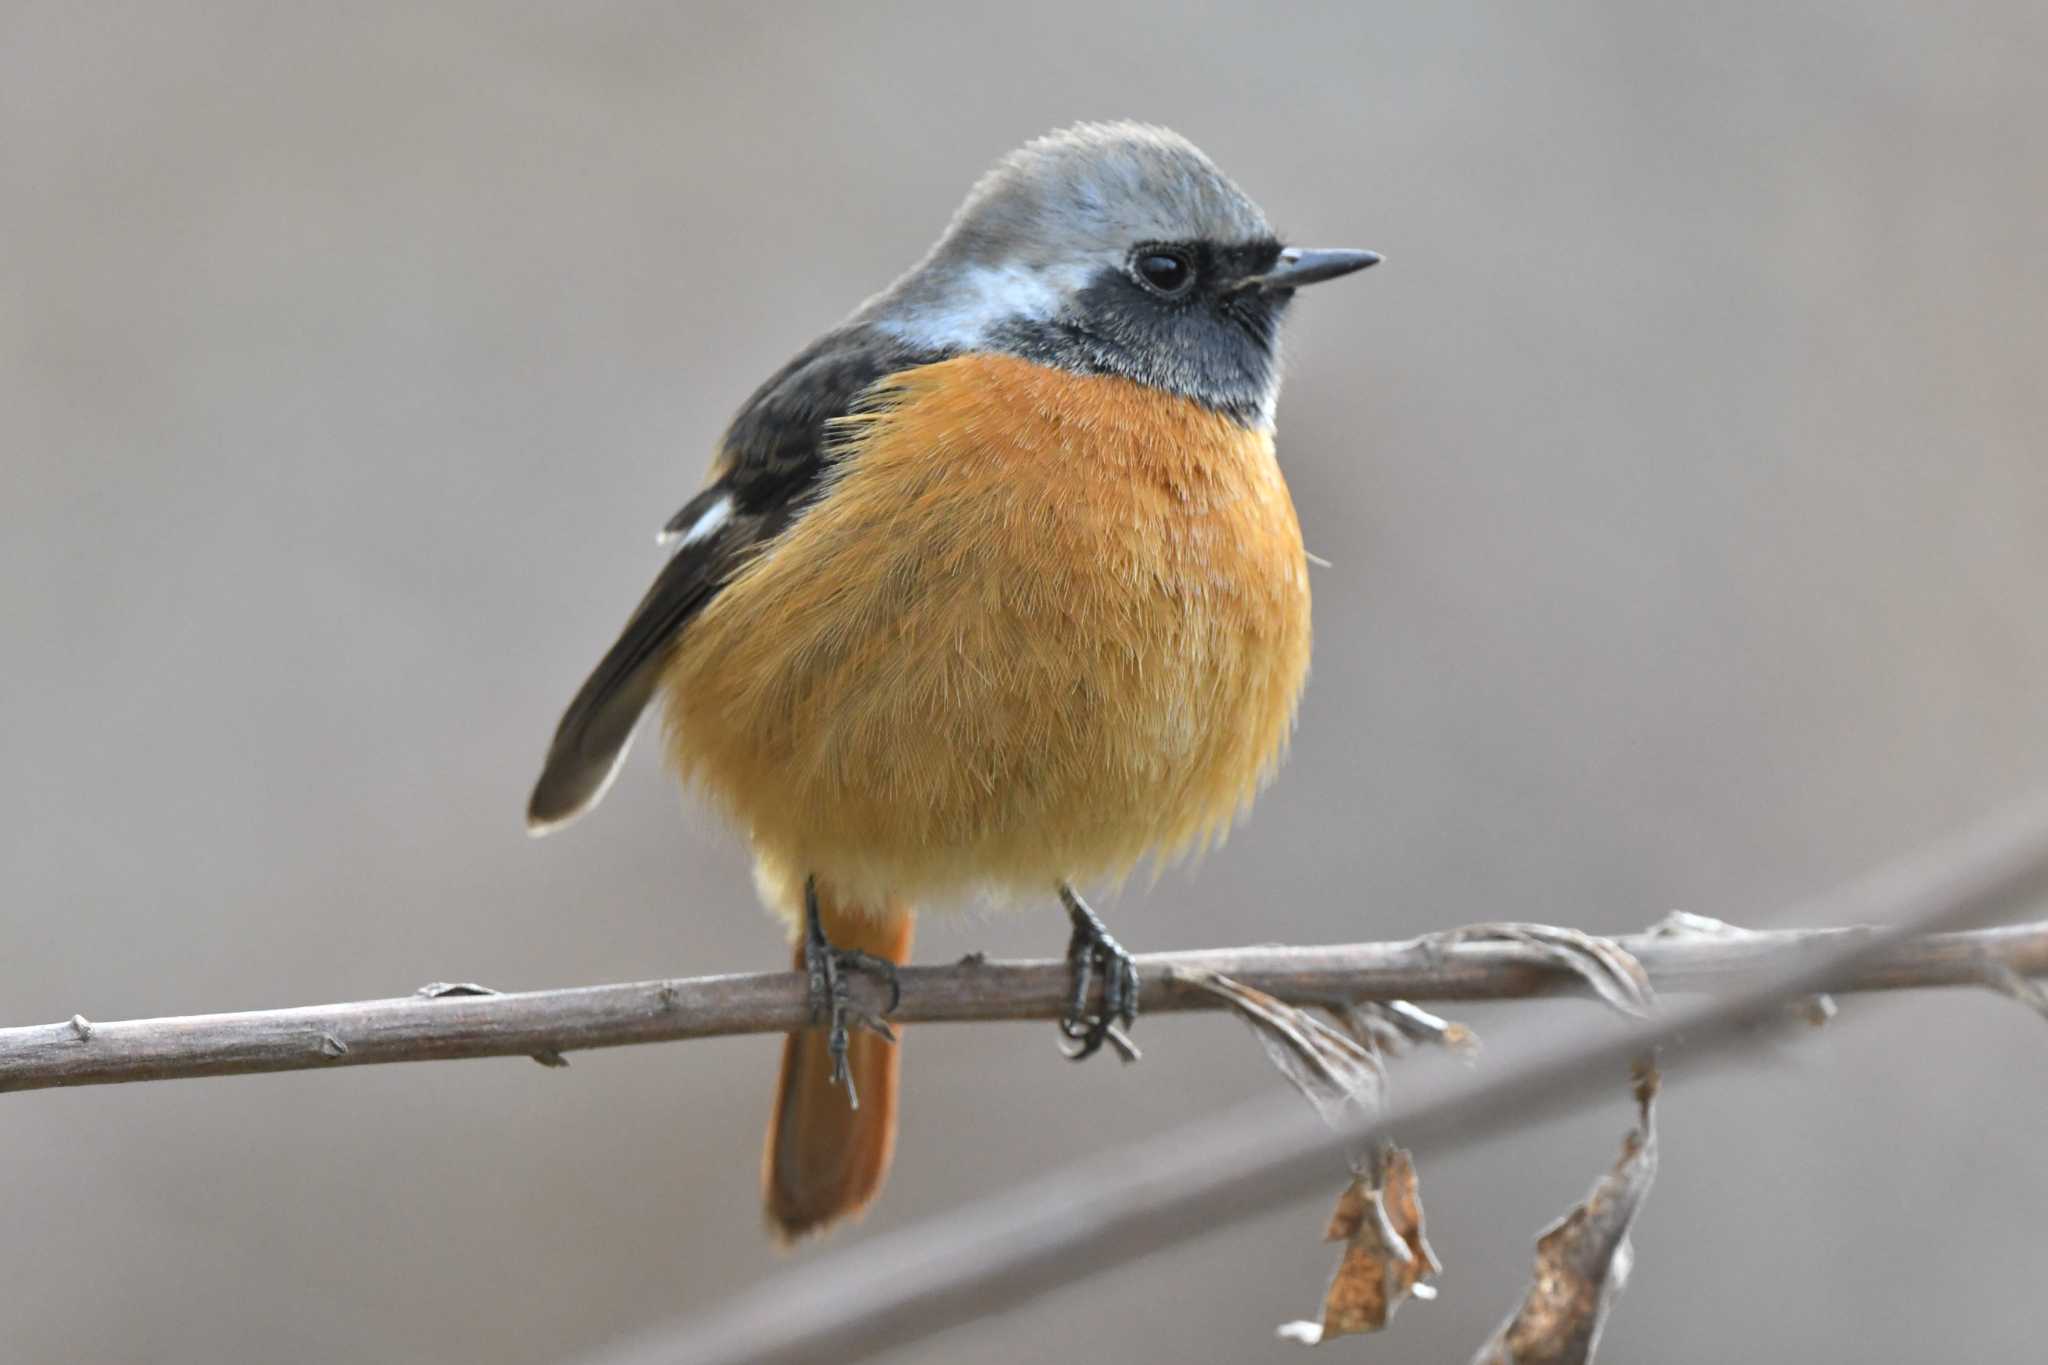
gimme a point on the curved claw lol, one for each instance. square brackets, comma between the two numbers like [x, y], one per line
[1092, 952]
[1093, 1036]
[853, 959]
[831, 999]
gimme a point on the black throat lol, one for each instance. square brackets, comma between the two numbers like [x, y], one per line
[1219, 346]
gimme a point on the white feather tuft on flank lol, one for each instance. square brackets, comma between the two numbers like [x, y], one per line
[705, 527]
[536, 829]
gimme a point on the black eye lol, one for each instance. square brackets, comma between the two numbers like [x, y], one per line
[1164, 270]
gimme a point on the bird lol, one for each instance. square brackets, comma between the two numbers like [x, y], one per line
[995, 589]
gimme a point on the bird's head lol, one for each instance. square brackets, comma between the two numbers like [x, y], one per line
[1114, 248]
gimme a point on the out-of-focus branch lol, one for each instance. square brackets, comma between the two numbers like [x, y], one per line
[544, 1023]
[998, 1253]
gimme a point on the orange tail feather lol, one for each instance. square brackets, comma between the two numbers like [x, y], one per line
[826, 1160]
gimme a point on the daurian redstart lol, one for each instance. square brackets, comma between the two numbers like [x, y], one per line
[994, 587]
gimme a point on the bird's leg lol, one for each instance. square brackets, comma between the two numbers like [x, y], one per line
[832, 1003]
[1091, 952]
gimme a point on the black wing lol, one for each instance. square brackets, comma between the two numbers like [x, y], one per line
[768, 470]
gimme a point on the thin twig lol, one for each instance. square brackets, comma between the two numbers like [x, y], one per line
[418, 1028]
[995, 1254]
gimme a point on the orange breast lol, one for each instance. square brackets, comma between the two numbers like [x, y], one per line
[1039, 626]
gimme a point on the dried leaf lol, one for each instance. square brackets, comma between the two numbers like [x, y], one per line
[1386, 1258]
[1583, 1259]
[1389, 1026]
[1610, 969]
[1343, 1076]
[1339, 1076]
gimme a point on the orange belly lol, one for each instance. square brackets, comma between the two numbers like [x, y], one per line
[1040, 626]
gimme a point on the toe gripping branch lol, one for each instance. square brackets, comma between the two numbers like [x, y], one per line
[831, 1000]
[1091, 952]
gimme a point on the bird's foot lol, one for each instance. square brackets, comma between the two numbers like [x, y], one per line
[1091, 952]
[831, 998]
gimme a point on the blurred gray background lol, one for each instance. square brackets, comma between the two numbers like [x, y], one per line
[1682, 475]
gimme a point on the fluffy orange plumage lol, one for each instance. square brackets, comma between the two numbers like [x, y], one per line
[1037, 626]
[1012, 617]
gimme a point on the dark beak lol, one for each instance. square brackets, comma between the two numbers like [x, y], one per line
[1298, 266]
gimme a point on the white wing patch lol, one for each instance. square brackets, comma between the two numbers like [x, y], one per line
[706, 525]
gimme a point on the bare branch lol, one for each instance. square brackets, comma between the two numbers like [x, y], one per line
[997, 1253]
[451, 1023]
